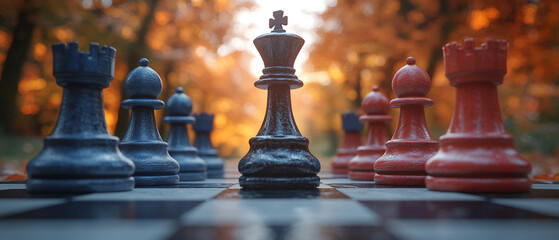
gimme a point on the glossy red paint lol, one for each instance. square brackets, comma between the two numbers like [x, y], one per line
[376, 107]
[346, 152]
[403, 163]
[477, 154]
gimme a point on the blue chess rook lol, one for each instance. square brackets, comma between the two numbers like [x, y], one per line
[178, 109]
[203, 127]
[80, 155]
[142, 142]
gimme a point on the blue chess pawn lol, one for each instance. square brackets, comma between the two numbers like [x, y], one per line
[80, 155]
[178, 109]
[203, 127]
[142, 142]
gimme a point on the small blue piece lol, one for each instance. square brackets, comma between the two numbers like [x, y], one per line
[203, 128]
[179, 107]
[350, 122]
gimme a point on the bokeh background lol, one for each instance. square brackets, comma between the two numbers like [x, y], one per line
[205, 46]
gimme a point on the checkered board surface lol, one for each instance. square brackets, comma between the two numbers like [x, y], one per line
[338, 209]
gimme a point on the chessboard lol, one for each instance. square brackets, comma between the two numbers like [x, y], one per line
[338, 209]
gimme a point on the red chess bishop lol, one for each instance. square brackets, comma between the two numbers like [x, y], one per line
[376, 107]
[477, 154]
[412, 144]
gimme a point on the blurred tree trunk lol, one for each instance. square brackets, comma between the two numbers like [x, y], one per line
[356, 103]
[11, 72]
[136, 51]
[168, 68]
[167, 91]
[446, 28]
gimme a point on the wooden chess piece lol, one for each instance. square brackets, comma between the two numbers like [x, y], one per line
[178, 109]
[142, 142]
[477, 154]
[279, 157]
[203, 127]
[350, 142]
[376, 107]
[80, 155]
[403, 163]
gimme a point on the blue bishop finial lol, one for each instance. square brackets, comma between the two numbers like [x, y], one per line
[179, 104]
[143, 82]
[144, 62]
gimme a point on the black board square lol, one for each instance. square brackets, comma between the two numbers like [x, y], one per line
[324, 193]
[448, 210]
[110, 210]
[22, 193]
[283, 232]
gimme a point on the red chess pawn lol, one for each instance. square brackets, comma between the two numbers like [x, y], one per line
[412, 144]
[477, 154]
[376, 107]
[351, 141]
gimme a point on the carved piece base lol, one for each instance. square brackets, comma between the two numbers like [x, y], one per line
[215, 173]
[362, 175]
[340, 171]
[85, 185]
[156, 180]
[494, 185]
[248, 182]
[192, 176]
[340, 164]
[402, 180]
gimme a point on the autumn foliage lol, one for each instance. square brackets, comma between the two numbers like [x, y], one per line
[359, 44]
[362, 43]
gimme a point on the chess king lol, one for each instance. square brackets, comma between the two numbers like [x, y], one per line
[279, 156]
[80, 155]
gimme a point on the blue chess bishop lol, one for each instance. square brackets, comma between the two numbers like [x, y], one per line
[142, 142]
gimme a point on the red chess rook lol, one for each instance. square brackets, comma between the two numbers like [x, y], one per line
[412, 144]
[477, 154]
[376, 107]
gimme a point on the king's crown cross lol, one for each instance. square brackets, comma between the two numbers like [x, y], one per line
[278, 21]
